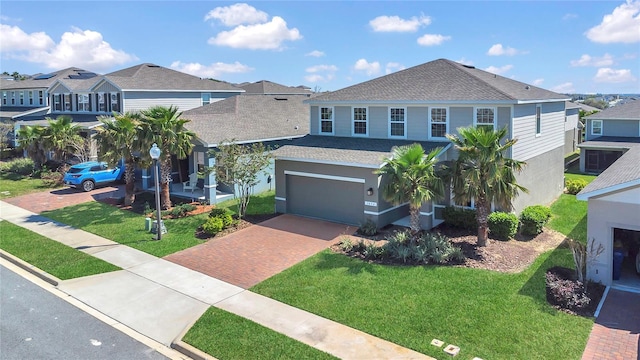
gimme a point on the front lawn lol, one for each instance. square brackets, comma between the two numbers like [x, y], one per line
[12, 185]
[228, 336]
[488, 314]
[127, 228]
[569, 217]
[577, 176]
[49, 255]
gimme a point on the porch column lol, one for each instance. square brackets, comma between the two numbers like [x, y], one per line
[210, 180]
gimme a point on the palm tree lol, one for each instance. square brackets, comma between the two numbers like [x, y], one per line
[411, 177]
[164, 126]
[60, 136]
[118, 139]
[484, 173]
[31, 139]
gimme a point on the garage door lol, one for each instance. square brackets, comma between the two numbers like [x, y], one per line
[334, 200]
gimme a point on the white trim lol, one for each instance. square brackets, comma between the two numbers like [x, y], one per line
[608, 189]
[377, 213]
[339, 163]
[254, 141]
[495, 116]
[601, 127]
[324, 176]
[426, 103]
[444, 149]
[366, 121]
[426, 214]
[333, 120]
[430, 121]
[280, 198]
[602, 299]
[403, 122]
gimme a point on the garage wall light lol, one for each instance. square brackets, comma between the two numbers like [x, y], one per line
[370, 191]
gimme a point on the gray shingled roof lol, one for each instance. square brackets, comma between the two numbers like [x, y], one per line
[612, 142]
[624, 171]
[440, 81]
[627, 111]
[250, 117]
[15, 112]
[153, 77]
[346, 150]
[270, 88]
[43, 83]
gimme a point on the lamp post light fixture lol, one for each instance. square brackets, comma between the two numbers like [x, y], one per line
[155, 155]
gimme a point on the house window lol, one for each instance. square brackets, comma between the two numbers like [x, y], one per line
[360, 121]
[13, 98]
[102, 105]
[83, 102]
[30, 97]
[115, 102]
[206, 98]
[57, 102]
[326, 120]
[4, 98]
[485, 117]
[21, 97]
[596, 127]
[396, 122]
[438, 120]
[538, 119]
[67, 102]
[41, 97]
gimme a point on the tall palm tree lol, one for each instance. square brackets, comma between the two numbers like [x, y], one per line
[31, 139]
[118, 139]
[483, 172]
[164, 126]
[411, 177]
[60, 136]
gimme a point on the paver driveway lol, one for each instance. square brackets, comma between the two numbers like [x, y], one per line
[59, 198]
[251, 255]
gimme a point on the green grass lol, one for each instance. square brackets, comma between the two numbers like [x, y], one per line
[127, 228]
[488, 314]
[48, 255]
[263, 203]
[12, 185]
[569, 217]
[577, 176]
[228, 336]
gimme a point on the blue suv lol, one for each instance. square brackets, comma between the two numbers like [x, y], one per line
[87, 175]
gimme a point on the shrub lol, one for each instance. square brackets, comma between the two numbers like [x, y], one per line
[429, 249]
[23, 167]
[566, 294]
[51, 179]
[223, 214]
[213, 225]
[346, 244]
[181, 210]
[368, 228]
[503, 226]
[460, 217]
[534, 218]
[575, 186]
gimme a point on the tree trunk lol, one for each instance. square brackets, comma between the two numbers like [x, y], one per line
[414, 212]
[165, 179]
[482, 216]
[129, 180]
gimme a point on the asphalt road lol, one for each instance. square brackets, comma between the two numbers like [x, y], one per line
[35, 324]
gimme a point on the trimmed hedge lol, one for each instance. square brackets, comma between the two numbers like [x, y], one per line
[575, 186]
[460, 217]
[503, 226]
[534, 218]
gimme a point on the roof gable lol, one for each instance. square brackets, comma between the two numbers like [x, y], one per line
[270, 88]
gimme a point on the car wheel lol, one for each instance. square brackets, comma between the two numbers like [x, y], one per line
[88, 185]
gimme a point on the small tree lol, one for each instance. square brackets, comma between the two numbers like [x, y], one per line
[5, 130]
[583, 254]
[83, 148]
[238, 166]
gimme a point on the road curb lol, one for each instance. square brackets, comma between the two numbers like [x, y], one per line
[30, 268]
[189, 350]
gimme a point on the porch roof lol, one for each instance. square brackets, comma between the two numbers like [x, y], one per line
[614, 142]
[622, 174]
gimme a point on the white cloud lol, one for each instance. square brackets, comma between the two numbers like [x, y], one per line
[608, 75]
[566, 88]
[82, 48]
[464, 61]
[320, 73]
[393, 67]
[621, 26]
[397, 24]
[267, 36]
[432, 39]
[588, 60]
[538, 82]
[321, 68]
[237, 14]
[569, 16]
[214, 70]
[499, 70]
[315, 53]
[372, 68]
[498, 50]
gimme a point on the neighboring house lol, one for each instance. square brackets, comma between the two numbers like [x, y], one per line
[572, 127]
[609, 134]
[329, 174]
[265, 87]
[614, 214]
[270, 119]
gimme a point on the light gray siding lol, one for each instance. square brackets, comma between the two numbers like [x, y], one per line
[504, 120]
[342, 120]
[378, 120]
[59, 89]
[570, 141]
[571, 119]
[106, 87]
[460, 117]
[627, 128]
[141, 100]
[418, 123]
[543, 176]
[314, 126]
[529, 144]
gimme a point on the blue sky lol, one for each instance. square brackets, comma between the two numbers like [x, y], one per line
[565, 46]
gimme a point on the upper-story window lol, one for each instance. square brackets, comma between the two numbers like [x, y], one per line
[439, 122]
[84, 104]
[67, 102]
[596, 127]
[41, 97]
[485, 117]
[21, 97]
[4, 98]
[538, 119]
[360, 121]
[115, 102]
[13, 98]
[206, 98]
[397, 120]
[326, 120]
[57, 102]
[30, 97]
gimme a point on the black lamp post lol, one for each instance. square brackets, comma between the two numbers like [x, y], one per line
[155, 155]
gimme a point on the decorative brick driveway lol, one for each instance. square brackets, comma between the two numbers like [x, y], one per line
[59, 198]
[616, 333]
[253, 254]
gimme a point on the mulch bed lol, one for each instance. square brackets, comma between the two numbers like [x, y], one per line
[594, 293]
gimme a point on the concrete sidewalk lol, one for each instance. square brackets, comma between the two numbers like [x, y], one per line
[161, 299]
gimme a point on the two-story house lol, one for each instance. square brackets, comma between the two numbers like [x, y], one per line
[329, 174]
